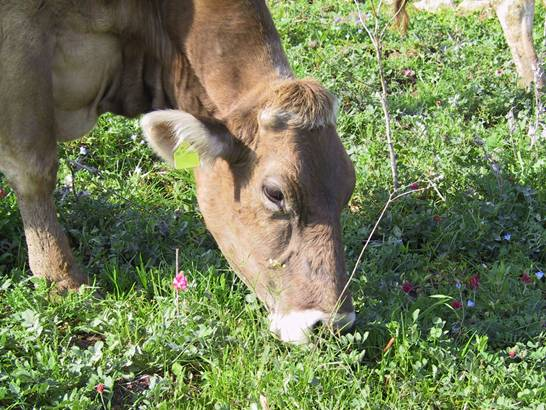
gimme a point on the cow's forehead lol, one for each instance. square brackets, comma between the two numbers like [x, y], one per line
[313, 159]
[302, 104]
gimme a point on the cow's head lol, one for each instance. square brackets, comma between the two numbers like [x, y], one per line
[271, 190]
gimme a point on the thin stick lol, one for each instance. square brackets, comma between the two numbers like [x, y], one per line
[176, 262]
[176, 290]
[393, 196]
[376, 39]
[433, 184]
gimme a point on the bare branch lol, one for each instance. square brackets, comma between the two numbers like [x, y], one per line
[383, 98]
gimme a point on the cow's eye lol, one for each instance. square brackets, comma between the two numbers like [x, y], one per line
[274, 195]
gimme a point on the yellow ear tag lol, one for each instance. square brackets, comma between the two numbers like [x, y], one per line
[184, 158]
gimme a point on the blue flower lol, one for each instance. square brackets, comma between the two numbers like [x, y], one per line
[470, 303]
[539, 274]
[458, 285]
[507, 236]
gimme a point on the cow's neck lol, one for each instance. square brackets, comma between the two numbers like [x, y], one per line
[232, 48]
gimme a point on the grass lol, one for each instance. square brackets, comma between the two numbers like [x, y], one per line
[125, 220]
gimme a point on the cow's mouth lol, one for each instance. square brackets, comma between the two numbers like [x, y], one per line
[295, 327]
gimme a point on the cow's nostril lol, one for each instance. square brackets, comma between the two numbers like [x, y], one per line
[317, 325]
[344, 322]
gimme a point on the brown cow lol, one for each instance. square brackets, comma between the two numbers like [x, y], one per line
[274, 175]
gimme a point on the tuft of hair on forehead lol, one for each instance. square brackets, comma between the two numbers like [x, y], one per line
[299, 104]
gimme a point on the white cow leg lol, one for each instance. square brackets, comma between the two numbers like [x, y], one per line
[516, 19]
[434, 6]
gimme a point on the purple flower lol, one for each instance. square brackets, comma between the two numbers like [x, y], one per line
[458, 284]
[456, 304]
[470, 303]
[407, 287]
[525, 278]
[474, 282]
[539, 274]
[507, 236]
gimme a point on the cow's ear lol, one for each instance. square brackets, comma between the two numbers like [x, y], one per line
[166, 130]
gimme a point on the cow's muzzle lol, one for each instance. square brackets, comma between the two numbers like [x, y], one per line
[295, 327]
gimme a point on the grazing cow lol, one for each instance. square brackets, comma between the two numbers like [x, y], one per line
[516, 19]
[273, 177]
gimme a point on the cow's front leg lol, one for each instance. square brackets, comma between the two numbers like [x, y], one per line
[28, 147]
[516, 19]
[33, 175]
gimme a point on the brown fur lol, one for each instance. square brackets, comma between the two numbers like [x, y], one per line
[301, 104]
[401, 15]
[64, 62]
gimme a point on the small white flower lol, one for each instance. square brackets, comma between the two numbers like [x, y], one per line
[83, 151]
[68, 181]
[133, 137]
[138, 170]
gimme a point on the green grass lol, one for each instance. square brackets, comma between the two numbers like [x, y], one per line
[450, 124]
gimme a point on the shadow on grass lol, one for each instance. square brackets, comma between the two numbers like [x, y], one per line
[432, 247]
[493, 233]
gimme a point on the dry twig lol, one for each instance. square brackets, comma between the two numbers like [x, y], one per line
[376, 36]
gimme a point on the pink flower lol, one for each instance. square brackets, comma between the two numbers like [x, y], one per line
[512, 354]
[407, 287]
[456, 304]
[414, 186]
[474, 281]
[408, 73]
[525, 278]
[180, 282]
[100, 388]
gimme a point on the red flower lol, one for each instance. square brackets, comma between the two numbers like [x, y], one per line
[437, 219]
[525, 278]
[407, 287]
[456, 304]
[100, 388]
[474, 281]
[414, 186]
[2, 193]
[512, 354]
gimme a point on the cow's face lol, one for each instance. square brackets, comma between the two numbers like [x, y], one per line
[273, 202]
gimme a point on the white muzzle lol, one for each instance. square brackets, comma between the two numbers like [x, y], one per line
[295, 327]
